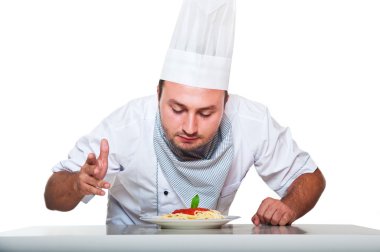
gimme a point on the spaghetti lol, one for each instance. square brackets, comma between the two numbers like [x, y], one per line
[193, 214]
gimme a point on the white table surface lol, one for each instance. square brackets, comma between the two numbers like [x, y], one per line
[234, 237]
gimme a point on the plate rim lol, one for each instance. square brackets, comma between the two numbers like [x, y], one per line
[157, 218]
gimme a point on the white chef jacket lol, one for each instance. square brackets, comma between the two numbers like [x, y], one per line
[139, 188]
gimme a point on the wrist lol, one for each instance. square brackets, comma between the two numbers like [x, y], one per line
[294, 210]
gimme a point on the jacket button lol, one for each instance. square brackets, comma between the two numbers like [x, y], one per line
[166, 192]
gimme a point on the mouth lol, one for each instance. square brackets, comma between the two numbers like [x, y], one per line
[187, 139]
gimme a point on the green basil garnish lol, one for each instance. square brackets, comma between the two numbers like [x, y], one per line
[195, 201]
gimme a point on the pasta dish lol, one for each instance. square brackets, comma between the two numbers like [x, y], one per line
[193, 214]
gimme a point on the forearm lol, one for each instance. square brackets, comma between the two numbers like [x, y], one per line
[61, 191]
[304, 192]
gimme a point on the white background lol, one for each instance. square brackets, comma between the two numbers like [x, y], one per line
[65, 65]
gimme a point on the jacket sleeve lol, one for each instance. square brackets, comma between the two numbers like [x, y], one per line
[278, 160]
[91, 144]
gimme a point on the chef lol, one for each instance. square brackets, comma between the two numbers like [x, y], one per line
[155, 153]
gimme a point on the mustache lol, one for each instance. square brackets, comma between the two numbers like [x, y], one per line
[184, 134]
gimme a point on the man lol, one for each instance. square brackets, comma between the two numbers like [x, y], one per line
[155, 153]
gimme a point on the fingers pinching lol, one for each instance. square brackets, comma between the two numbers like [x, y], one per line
[94, 190]
[90, 179]
[102, 184]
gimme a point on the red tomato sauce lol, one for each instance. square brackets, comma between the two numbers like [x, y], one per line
[190, 211]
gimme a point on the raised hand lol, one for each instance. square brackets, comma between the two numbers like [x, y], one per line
[90, 178]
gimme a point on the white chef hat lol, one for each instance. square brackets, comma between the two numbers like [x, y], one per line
[201, 48]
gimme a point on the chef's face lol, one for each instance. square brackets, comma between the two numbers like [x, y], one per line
[190, 116]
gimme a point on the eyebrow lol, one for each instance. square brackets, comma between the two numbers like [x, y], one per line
[173, 101]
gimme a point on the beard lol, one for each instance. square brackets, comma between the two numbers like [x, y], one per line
[199, 144]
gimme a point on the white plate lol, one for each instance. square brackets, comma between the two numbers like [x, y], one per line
[189, 224]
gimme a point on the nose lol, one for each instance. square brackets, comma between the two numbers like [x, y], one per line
[190, 126]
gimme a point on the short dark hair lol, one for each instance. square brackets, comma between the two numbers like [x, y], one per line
[161, 86]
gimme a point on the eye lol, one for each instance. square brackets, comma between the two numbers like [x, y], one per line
[205, 115]
[177, 111]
